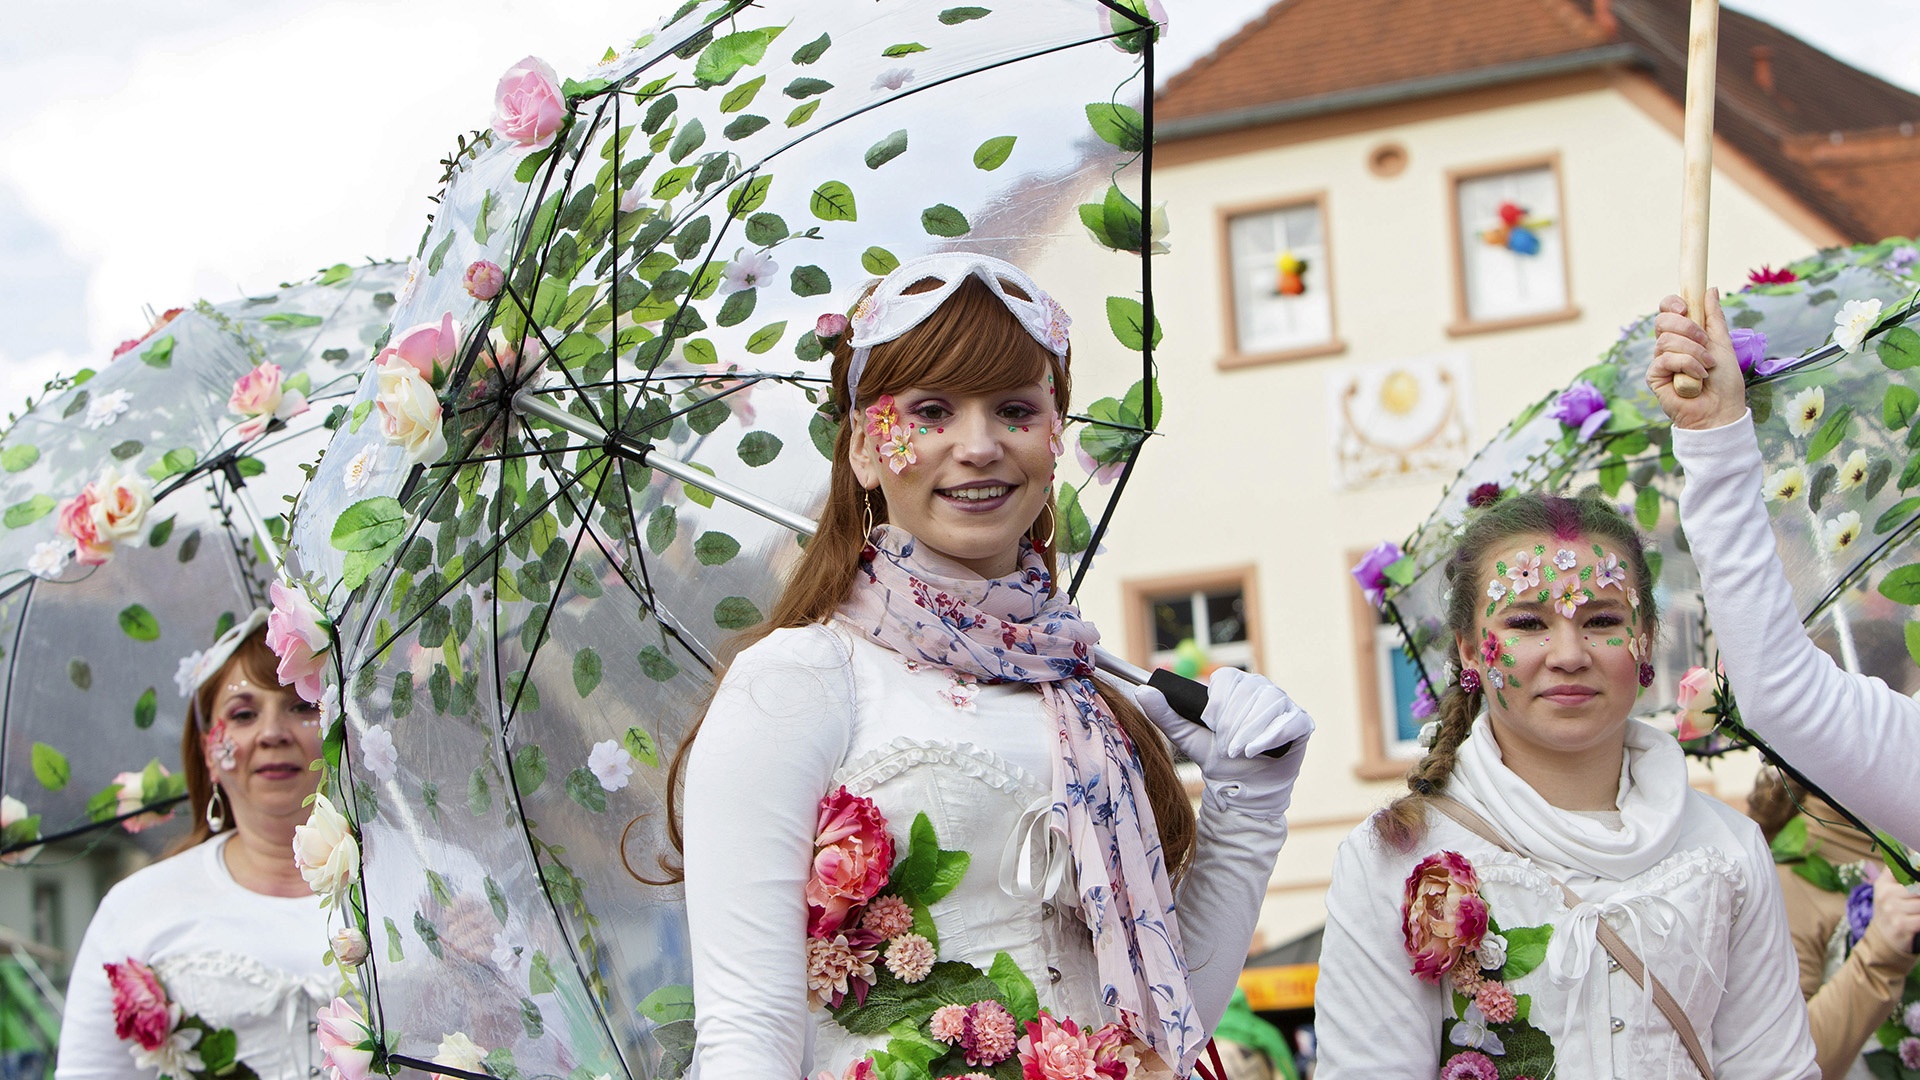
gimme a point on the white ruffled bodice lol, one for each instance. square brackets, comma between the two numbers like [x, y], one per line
[269, 1010]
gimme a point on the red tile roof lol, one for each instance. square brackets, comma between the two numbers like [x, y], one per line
[1841, 141]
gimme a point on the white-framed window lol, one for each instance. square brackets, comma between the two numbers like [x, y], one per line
[1512, 243]
[1214, 619]
[1280, 285]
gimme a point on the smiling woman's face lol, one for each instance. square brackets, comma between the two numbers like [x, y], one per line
[260, 746]
[1559, 653]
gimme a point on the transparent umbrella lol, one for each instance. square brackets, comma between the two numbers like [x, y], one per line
[134, 534]
[516, 540]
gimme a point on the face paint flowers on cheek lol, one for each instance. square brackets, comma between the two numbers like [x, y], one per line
[896, 438]
[223, 745]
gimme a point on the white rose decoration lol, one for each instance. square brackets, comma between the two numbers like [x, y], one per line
[349, 946]
[1852, 321]
[409, 411]
[120, 515]
[1493, 953]
[325, 851]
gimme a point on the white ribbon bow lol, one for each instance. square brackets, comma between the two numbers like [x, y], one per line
[1035, 835]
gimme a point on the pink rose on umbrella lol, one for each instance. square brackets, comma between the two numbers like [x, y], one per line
[131, 797]
[297, 634]
[345, 1042]
[260, 396]
[852, 855]
[141, 1010]
[75, 522]
[429, 347]
[483, 280]
[1444, 919]
[527, 105]
[1694, 695]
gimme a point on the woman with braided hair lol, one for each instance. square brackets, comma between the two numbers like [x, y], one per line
[1551, 897]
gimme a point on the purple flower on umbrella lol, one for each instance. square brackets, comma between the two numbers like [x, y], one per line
[1423, 703]
[1749, 347]
[1371, 570]
[1903, 259]
[1859, 911]
[1581, 406]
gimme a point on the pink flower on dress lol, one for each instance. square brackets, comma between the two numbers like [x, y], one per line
[297, 634]
[910, 958]
[141, 1009]
[990, 1033]
[852, 855]
[859, 1070]
[527, 105]
[1444, 918]
[1056, 1050]
[1466, 978]
[483, 279]
[949, 1023]
[960, 693]
[835, 968]
[341, 1032]
[1910, 1053]
[886, 918]
[1496, 1001]
[1469, 1065]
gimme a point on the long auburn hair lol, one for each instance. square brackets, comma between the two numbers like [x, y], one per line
[1404, 822]
[970, 344]
[255, 661]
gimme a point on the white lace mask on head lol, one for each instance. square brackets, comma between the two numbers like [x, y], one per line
[888, 311]
[197, 668]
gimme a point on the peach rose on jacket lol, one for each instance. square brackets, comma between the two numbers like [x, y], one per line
[1444, 919]
[527, 105]
[852, 856]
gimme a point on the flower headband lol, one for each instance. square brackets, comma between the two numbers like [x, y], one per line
[197, 667]
[888, 312]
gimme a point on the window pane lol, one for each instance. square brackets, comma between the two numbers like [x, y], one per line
[1226, 617]
[1512, 268]
[1406, 681]
[1172, 622]
[1276, 310]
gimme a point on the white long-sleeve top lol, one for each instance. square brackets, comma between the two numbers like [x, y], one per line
[1702, 909]
[806, 711]
[1853, 734]
[237, 958]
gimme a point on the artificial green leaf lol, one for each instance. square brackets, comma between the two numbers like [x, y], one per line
[540, 974]
[1899, 348]
[1896, 409]
[584, 788]
[146, 708]
[288, 320]
[812, 50]
[655, 664]
[890, 1001]
[19, 458]
[1127, 318]
[50, 767]
[1830, 433]
[905, 48]
[1526, 949]
[833, 201]
[714, 548]
[661, 527]
[822, 430]
[887, 149]
[28, 512]
[993, 153]
[1016, 989]
[805, 88]
[766, 337]
[374, 524]
[529, 769]
[758, 447]
[735, 613]
[139, 624]
[1896, 515]
[667, 1005]
[80, 673]
[878, 260]
[1902, 585]
[689, 138]
[642, 747]
[749, 197]
[172, 463]
[744, 125]
[1646, 507]
[954, 16]
[802, 113]
[1790, 843]
[941, 219]
[160, 353]
[160, 533]
[1120, 125]
[479, 792]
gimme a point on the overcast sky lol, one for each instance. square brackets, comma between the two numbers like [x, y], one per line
[152, 154]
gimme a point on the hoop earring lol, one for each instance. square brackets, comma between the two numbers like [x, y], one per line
[216, 811]
[866, 504]
[1053, 520]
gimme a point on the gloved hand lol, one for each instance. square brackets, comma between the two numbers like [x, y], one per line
[1246, 716]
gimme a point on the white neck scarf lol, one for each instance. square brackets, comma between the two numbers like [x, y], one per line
[1653, 792]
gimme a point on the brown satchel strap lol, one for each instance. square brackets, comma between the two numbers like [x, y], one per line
[1610, 939]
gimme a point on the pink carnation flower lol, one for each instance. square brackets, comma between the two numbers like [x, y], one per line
[1444, 917]
[887, 917]
[949, 1023]
[910, 958]
[852, 855]
[1496, 1001]
[989, 1036]
[1469, 1065]
[141, 1010]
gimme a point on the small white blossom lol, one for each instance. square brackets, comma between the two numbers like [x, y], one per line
[507, 954]
[748, 271]
[1852, 321]
[1471, 1032]
[1805, 410]
[611, 764]
[360, 470]
[1493, 953]
[105, 408]
[377, 752]
[893, 78]
[49, 558]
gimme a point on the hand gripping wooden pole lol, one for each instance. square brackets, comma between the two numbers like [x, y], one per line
[1703, 40]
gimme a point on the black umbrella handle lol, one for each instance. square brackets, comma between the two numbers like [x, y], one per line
[1189, 699]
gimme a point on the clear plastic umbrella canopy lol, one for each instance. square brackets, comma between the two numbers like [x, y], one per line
[620, 290]
[1834, 392]
[93, 633]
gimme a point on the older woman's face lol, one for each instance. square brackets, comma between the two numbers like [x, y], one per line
[260, 746]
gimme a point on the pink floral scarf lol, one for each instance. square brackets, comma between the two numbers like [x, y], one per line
[1014, 629]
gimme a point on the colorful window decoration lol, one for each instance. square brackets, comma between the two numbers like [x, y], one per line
[1291, 279]
[1518, 231]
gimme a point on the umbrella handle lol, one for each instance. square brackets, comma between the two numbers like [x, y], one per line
[1703, 39]
[1184, 695]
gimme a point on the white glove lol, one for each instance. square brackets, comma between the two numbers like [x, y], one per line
[1246, 716]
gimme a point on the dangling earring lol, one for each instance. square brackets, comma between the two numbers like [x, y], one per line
[216, 811]
[1470, 680]
[1646, 674]
[866, 503]
[1053, 520]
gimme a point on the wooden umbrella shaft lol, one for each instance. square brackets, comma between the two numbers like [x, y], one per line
[1703, 37]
